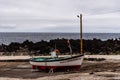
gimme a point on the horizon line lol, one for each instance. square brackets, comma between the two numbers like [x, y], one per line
[59, 32]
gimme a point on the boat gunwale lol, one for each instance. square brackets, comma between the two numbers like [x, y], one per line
[57, 59]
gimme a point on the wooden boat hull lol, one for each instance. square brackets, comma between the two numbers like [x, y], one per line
[74, 62]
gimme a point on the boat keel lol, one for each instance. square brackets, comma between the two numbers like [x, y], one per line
[56, 68]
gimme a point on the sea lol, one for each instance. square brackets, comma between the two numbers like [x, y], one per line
[8, 37]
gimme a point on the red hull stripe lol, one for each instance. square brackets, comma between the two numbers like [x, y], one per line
[56, 67]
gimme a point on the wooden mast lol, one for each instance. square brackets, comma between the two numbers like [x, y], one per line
[81, 42]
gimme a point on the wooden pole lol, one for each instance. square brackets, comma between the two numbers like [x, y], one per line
[81, 42]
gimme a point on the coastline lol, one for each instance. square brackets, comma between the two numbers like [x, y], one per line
[94, 47]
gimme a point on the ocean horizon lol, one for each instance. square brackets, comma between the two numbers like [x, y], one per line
[8, 37]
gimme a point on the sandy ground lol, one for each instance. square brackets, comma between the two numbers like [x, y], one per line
[90, 70]
[114, 57]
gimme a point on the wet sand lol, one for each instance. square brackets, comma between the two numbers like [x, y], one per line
[91, 70]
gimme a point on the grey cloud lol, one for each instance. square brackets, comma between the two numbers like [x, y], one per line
[58, 15]
[68, 28]
[7, 27]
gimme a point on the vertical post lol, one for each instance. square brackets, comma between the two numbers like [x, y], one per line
[69, 45]
[70, 49]
[81, 42]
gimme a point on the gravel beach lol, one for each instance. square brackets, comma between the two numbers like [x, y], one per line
[108, 69]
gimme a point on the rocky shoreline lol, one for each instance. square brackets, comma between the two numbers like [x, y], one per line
[95, 46]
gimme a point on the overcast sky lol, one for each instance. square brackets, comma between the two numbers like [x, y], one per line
[59, 15]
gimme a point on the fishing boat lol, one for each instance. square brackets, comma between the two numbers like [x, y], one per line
[51, 64]
[44, 63]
